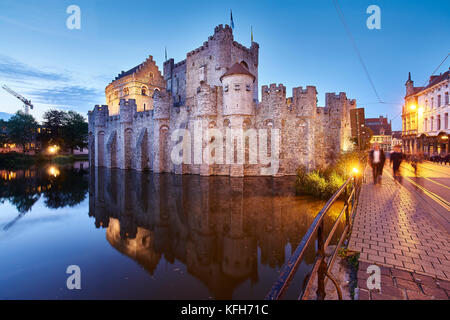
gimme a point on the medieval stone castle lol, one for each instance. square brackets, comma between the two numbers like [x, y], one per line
[215, 89]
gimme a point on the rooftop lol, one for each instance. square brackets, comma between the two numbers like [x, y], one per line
[237, 68]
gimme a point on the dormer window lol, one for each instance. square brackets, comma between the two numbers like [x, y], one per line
[225, 88]
[237, 87]
[247, 87]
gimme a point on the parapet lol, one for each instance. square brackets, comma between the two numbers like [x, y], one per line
[99, 115]
[274, 89]
[220, 28]
[330, 96]
[162, 101]
[128, 108]
[309, 90]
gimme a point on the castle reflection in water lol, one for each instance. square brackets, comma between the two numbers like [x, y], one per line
[221, 228]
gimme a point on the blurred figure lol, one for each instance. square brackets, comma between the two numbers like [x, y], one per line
[415, 160]
[396, 160]
[376, 161]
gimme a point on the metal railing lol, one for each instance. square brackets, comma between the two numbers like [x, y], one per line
[322, 266]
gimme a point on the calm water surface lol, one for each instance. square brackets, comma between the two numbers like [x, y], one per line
[141, 235]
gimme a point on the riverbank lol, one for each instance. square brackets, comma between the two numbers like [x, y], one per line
[324, 182]
[14, 161]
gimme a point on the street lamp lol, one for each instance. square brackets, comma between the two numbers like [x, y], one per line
[413, 107]
[53, 149]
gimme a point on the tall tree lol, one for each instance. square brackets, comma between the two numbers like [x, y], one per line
[75, 131]
[54, 121]
[3, 132]
[22, 129]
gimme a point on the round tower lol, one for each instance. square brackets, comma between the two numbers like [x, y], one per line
[237, 85]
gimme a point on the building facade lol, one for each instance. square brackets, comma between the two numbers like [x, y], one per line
[425, 126]
[382, 132]
[203, 101]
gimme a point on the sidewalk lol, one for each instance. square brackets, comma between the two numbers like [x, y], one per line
[393, 228]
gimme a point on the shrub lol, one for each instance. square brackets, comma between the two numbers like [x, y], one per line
[324, 182]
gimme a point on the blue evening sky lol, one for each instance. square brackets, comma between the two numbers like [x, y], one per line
[301, 43]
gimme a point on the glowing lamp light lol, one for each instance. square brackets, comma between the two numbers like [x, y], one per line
[355, 170]
[413, 107]
[53, 171]
[52, 149]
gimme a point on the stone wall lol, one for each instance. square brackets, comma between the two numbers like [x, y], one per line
[197, 97]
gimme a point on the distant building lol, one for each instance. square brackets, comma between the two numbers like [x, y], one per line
[425, 125]
[359, 129]
[382, 132]
[396, 138]
[31, 147]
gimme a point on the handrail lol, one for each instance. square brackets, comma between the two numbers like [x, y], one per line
[317, 227]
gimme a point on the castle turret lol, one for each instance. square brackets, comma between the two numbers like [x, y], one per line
[162, 103]
[237, 91]
[409, 85]
[305, 100]
[127, 110]
[206, 100]
[99, 115]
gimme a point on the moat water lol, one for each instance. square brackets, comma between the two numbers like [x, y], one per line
[147, 236]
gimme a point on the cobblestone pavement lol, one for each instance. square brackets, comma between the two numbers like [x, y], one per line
[399, 284]
[394, 229]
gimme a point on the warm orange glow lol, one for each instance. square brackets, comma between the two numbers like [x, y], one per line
[413, 107]
[53, 171]
[355, 170]
[53, 149]
[8, 175]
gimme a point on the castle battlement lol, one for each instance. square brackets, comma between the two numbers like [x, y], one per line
[273, 88]
[216, 87]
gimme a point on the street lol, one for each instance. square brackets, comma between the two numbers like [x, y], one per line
[403, 226]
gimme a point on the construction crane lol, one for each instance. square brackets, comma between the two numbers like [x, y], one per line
[26, 103]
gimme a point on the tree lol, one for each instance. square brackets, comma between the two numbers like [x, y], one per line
[75, 131]
[3, 132]
[366, 136]
[22, 129]
[54, 121]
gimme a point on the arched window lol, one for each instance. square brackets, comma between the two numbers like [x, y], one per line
[244, 64]
[144, 91]
[126, 91]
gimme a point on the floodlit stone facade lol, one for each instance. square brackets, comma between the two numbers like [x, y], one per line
[425, 122]
[195, 115]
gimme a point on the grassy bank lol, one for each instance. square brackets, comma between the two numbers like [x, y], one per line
[12, 161]
[324, 182]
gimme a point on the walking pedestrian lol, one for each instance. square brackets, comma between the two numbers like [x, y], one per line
[376, 161]
[396, 160]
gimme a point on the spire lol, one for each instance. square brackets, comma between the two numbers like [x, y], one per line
[252, 32]
[165, 52]
[409, 76]
[231, 19]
